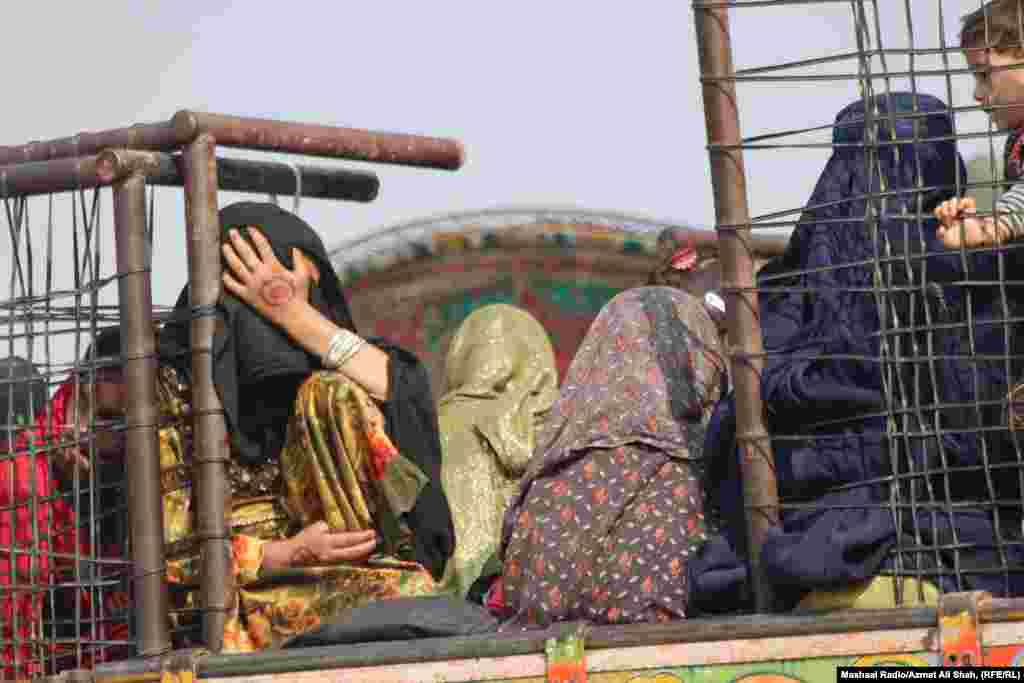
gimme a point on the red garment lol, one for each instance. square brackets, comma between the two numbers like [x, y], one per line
[27, 486]
[495, 601]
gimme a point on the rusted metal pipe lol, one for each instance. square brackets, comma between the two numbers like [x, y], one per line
[112, 164]
[250, 133]
[138, 349]
[1001, 609]
[531, 642]
[271, 177]
[41, 177]
[736, 251]
[235, 175]
[150, 136]
[764, 245]
[323, 141]
[209, 426]
[63, 175]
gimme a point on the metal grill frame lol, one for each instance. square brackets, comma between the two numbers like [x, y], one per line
[126, 159]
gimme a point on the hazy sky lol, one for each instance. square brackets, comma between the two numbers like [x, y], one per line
[565, 104]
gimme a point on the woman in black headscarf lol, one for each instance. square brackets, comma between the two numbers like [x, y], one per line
[335, 467]
[22, 393]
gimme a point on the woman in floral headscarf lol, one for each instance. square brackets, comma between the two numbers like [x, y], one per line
[611, 508]
[502, 381]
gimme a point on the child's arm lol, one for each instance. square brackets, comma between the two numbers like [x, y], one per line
[959, 227]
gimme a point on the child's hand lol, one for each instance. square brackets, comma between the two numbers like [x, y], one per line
[957, 226]
[949, 211]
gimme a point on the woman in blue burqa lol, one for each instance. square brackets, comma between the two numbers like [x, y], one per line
[883, 364]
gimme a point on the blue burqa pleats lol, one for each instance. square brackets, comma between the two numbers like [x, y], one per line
[873, 398]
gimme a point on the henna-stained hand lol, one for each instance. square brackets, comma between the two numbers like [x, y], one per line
[277, 292]
[259, 279]
[302, 557]
[317, 545]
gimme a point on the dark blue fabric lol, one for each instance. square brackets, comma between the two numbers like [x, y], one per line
[819, 311]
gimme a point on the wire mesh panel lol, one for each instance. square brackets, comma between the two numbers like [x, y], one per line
[892, 355]
[101, 417]
[64, 557]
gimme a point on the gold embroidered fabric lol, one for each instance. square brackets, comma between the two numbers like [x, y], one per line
[337, 465]
[501, 380]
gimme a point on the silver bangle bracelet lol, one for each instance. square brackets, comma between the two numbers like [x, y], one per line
[342, 347]
[360, 343]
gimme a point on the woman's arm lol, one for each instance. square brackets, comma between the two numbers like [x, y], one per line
[367, 368]
[314, 546]
[282, 297]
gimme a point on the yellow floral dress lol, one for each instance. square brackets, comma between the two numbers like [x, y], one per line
[339, 466]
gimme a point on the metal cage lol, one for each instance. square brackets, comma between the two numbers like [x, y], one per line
[887, 410]
[83, 577]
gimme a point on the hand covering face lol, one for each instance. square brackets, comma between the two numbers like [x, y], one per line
[258, 370]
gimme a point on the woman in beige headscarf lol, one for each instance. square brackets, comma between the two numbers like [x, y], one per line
[501, 382]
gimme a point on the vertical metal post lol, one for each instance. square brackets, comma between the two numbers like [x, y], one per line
[138, 347]
[736, 250]
[209, 427]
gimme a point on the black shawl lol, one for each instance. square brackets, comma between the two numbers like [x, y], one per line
[22, 395]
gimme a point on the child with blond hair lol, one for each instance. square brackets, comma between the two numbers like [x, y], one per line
[994, 47]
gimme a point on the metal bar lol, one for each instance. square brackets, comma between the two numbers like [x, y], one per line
[235, 175]
[736, 251]
[764, 245]
[41, 177]
[151, 136]
[209, 427]
[76, 173]
[599, 637]
[138, 348]
[250, 133]
[179, 666]
[323, 141]
[271, 177]
[533, 642]
[1001, 609]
